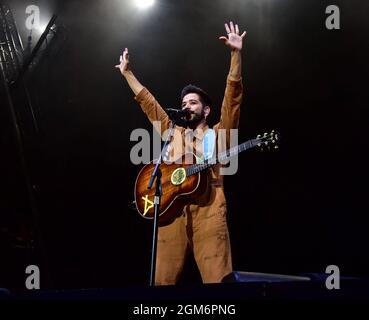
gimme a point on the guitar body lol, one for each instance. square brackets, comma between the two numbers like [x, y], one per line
[178, 189]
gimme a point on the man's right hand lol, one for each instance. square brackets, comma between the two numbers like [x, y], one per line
[124, 62]
[135, 85]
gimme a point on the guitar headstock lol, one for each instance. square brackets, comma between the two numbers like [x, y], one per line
[268, 140]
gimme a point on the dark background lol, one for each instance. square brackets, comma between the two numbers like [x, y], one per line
[294, 211]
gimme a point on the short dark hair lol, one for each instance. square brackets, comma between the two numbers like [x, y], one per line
[204, 97]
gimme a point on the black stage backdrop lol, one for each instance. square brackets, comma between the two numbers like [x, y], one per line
[293, 211]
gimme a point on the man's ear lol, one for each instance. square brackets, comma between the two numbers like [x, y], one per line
[207, 110]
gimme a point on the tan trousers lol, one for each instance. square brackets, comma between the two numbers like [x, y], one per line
[204, 233]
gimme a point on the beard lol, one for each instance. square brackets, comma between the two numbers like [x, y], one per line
[195, 119]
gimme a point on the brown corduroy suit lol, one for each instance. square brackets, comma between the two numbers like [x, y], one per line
[202, 226]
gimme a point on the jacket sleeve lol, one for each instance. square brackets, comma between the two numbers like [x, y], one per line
[230, 112]
[153, 110]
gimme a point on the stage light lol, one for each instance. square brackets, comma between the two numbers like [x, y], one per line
[143, 4]
[42, 28]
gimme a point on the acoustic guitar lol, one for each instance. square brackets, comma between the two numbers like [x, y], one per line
[183, 181]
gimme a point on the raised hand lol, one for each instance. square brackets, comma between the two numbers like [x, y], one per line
[233, 39]
[124, 62]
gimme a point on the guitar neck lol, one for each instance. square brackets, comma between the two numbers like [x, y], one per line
[222, 156]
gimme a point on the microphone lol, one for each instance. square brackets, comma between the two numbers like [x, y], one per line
[181, 113]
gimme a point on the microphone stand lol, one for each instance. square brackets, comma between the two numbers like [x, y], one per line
[158, 192]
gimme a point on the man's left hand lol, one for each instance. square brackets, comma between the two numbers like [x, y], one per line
[234, 39]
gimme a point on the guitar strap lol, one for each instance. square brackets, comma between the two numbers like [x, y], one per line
[208, 147]
[208, 144]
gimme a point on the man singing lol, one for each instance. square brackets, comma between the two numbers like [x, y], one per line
[202, 225]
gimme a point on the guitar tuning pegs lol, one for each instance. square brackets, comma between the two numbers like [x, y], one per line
[258, 136]
[265, 134]
[276, 147]
[259, 144]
